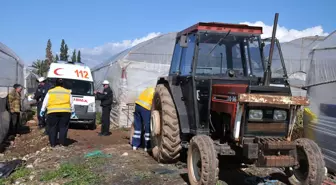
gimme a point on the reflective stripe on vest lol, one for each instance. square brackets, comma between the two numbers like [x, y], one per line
[60, 109]
[58, 92]
[143, 103]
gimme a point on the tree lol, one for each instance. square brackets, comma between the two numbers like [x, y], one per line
[56, 58]
[73, 58]
[49, 54]
[79, 59]
[66, 52]
[40, 67]
[62, 50]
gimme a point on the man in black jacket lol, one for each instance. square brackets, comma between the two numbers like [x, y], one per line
[40, 94]
[106, 98]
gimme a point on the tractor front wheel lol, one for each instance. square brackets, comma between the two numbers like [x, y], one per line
[311, 168]
[202, 161]
[165, 129]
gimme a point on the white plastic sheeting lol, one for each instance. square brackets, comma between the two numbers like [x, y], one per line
[4, 118]
[133, 70]
[321, 83]
[11, 72]
[297, 61]
[30, 82]
[12, 69]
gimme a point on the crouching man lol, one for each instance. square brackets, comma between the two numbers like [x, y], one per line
[142, 116]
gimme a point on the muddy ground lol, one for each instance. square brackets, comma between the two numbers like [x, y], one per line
[111, 162]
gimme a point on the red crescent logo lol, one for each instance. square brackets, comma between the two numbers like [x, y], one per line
[56, 71]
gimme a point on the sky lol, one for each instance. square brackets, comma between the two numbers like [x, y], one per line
[103, 28]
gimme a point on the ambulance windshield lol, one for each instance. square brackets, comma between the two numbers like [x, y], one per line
[78, 87]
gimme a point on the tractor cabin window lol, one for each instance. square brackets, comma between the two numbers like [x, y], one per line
[255, 64]
[187, 56]
[175, 64]
[219, 52]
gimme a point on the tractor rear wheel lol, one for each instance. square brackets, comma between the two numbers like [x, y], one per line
[165, 129]
[202, 161]
[311, 169]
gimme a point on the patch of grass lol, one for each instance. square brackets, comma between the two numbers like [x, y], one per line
[298, 131]
[76, 174]
[142, 175]
[98, 118]
[96, 161]
[299, 119]
[19, 173]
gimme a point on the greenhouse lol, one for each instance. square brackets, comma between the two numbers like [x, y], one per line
[12, 69]
[321, 83]
[133, 70]
[296, 56]
[12, 72]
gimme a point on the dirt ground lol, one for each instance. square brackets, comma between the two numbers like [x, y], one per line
[111, 162]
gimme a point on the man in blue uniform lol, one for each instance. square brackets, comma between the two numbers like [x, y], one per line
[40, 94]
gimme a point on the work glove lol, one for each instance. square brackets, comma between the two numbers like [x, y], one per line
[42, 113]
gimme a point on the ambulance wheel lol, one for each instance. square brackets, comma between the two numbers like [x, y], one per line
[93, 126]
[202, 161]
[165, 129]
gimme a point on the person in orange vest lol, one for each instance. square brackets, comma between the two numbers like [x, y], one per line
[142, 115]
[60, 108]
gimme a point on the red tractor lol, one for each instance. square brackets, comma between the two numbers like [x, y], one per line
[227, 93]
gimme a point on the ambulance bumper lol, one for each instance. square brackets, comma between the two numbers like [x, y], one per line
[87, 118]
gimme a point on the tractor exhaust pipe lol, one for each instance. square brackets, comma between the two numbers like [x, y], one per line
[268, 71]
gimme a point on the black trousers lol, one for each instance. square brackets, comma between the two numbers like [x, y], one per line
[105, 119]
[41, 120]
[58, 122]
[14, 123]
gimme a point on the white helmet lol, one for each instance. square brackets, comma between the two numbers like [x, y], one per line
[105, 82]
[41, 79]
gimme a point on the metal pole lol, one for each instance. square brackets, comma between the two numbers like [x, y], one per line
[268, 72]
[17, 72]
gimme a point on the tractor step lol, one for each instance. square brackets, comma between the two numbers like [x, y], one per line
[276, 161]
[279, 145]
[224, 149]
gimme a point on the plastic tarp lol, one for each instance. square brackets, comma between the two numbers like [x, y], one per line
[133, 70]
[30, 82]
[320, 124]
[297, 61]
[4, 117]
[11, 72]
[12, 69]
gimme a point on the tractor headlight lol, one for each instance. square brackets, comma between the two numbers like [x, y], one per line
[279, 115]
[92, 107]
[255, 114]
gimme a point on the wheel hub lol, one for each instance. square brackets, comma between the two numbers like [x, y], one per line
[196, 164]
[155, 123]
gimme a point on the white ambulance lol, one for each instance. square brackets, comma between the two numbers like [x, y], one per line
[78, 78]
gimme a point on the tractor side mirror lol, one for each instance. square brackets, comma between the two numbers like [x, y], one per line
[183, 41]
